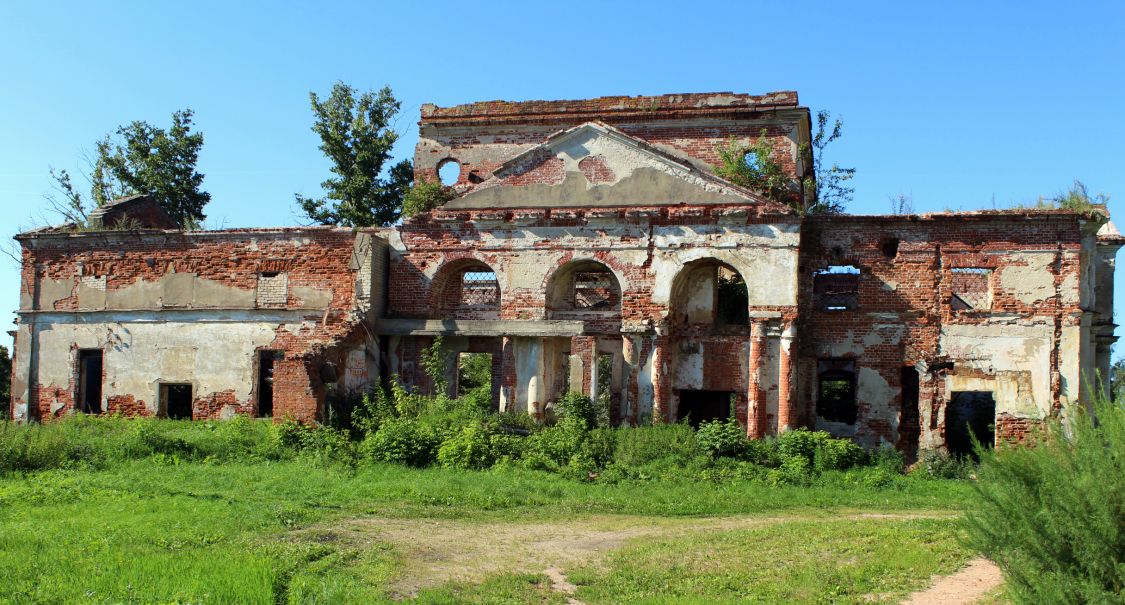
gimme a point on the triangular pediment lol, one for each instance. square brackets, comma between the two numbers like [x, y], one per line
[596, 165]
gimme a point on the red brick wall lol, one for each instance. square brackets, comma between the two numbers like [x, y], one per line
[317, 258]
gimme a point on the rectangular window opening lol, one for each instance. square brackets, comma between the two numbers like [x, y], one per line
[702, 406]
[836, 288]
[90, 381]
[604, 387]
[266, 361]
[972, 289]
[835, 398]
[479, 288]
[474, 375]
[176, 401]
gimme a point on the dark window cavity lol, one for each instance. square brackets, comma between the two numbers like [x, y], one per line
[835, 398]
[176, 401]
[702, 406]
[732, 306]
[970, 415]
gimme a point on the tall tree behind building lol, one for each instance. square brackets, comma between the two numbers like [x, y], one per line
[356, 134]
[140, 158]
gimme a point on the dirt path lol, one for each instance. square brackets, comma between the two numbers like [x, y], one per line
[965, 587]
[437, 551]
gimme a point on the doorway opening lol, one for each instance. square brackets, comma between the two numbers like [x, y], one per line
[909, 427]
[969, 415]
[90, 381]
[266, 361]
[701, 406]
[175, 401]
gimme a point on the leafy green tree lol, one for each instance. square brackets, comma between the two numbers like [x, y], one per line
[356, 134]
[833, 193]
[755, 167]
[1117, 381]
[140, 158]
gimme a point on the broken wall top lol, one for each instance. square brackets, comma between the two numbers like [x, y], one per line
[585, 109]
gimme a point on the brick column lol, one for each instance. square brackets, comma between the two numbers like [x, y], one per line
[786, 414]
[756, 401]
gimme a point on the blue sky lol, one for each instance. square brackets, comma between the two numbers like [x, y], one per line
[960, 105]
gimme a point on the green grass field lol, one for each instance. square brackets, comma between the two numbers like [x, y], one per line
[154, 531]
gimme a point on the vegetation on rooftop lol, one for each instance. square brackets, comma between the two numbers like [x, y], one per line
[425, 196]
[755, 166]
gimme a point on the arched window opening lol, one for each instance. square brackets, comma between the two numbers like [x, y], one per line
[449, 172]
[582, 287]
[466, 289]
[710, 292]
[732, 306]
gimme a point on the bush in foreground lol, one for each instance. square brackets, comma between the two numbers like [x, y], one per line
[1053, 516]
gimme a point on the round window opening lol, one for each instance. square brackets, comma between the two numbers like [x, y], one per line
[449, 171]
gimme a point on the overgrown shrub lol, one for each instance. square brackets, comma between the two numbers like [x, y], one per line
[551, 449]
[838, 455]
[794, 470]
[801, 443]
[403, 441]
[578, 407]
[1053, 516]
[321, 443]
[472, 448]
[940, 465]
[721, 438]
[637, 446]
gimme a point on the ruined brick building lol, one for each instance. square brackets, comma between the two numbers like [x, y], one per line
[590, 248]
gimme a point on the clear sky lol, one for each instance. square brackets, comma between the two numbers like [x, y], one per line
[962, 105]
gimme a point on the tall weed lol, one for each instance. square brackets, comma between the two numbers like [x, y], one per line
[1052, 516]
